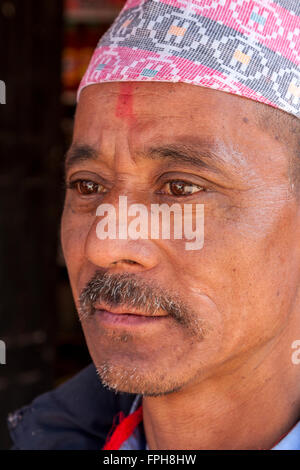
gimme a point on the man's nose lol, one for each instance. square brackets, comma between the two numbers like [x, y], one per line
[121, 254]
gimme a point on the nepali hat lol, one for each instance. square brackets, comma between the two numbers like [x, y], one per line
[250, 48]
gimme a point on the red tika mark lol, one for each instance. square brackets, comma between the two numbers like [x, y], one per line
[123, 430]
[124, 107]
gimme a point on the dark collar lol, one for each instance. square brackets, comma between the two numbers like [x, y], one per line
[76, 415]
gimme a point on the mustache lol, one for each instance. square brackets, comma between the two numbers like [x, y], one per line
[128, 290]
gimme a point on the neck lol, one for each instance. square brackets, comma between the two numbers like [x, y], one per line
[247, 406]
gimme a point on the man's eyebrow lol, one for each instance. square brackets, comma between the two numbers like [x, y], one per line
[203, 155]
[78, 153]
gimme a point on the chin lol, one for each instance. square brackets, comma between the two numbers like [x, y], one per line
[130, 380]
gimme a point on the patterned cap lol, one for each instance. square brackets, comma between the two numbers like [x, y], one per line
[247, 47]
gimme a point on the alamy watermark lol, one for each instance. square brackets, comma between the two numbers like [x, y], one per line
[296, 353]
[2, 92]
[188, 222]
[2, 352]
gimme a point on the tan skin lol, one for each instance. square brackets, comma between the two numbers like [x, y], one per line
[236, 386]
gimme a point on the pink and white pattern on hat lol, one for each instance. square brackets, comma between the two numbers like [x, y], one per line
[249, 48]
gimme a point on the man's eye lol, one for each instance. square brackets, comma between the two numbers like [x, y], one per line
[86, 187]
[181, 188]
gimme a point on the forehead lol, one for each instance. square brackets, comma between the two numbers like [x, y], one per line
[135, 102]
[134, 115]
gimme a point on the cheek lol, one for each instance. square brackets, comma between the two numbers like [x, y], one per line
[74, 232]
[244, 277]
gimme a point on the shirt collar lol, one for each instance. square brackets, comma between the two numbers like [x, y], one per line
[137, 440]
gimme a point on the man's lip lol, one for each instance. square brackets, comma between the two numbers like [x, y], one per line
[127, 311]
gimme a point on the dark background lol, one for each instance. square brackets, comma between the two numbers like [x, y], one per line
[45, 47]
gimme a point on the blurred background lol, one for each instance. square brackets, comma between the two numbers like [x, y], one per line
[45, 48]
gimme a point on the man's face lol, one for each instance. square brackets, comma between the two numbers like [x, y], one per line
[173, 143]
